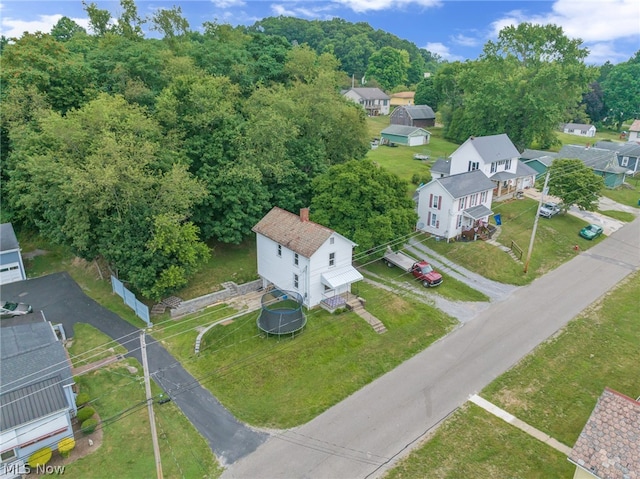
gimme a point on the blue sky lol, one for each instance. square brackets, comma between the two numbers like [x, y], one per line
[456, 30]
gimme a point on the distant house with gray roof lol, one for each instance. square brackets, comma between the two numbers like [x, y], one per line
[11, 265]
[609, 445]
[603, 162]
[421, 116]
[373, 100]
[441, 168]
[37, 400]
[579, 129]
[295, 254]
[628, 154]
[449, 205]
[538, 160]
[634, 131]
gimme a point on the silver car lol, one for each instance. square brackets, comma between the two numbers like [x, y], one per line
[9, 309]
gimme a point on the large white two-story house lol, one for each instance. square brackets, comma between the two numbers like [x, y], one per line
[451, 205]
[498, 158]
[295, 254]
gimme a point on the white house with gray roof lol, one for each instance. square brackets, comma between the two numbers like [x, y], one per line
[579, 129]
[295, 254]
[37, 400]
[449, 205]
[373, 100]
[628, 154]
[11, 265]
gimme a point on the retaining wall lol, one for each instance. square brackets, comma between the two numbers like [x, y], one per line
[230, 290]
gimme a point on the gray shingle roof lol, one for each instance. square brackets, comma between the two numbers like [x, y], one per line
[403, 130]
[597, 158]
[287, 229]
[466, 183]
[31, 402]
[420, 112]
[441, 166]
[477, 212]
[609, 444]
[623, 149]
[8, 240]
[529, 154]
[371, 93]
[577, 126]
[494, 148]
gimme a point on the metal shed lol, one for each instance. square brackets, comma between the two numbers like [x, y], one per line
[405, 135]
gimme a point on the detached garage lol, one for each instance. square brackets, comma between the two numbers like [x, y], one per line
[405, 135]
[11, 266]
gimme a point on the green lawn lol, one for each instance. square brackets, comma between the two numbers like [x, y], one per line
[272, 382]
[627, 195]
[554, 242]
[118, 397]
[90, 345]
[554, 389]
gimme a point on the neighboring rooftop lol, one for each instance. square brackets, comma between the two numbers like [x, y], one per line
[623, 149]
[529, 154]
[441, 166]
[597, 158]
[609, 445]
[466, 183]
[577, 126]
[402, 130]
[370, 93]
[292, 231]
[8, 239]
[635, 126]
[404, 94]
[419, 112]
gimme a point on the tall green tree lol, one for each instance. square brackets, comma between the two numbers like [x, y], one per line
[426, 93]
[363, 202]
[389, 67]
[621, 91]
[65, 29]
[575, 183]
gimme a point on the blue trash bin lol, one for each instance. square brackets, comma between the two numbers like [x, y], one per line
[498, 219]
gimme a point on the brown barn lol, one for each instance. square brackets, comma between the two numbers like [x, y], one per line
[420, 116]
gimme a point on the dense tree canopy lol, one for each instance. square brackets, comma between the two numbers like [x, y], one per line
[363, 202]
[575, 183]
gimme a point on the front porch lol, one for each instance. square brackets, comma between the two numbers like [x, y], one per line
[338, 301]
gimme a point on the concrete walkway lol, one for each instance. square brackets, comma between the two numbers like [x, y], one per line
[523, 426]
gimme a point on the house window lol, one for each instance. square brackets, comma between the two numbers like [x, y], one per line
[459, 223]
[507, 165]
[434, 220]
[483, 197]
[332, 259]
[7, 456]
[326, 288]
[473, 165]
[463, 203]
[474, 199]
[494, 166]
[296, 281]
[280, 251]
[331, 240]
[625, 161]
[296, 259]
[436, 202]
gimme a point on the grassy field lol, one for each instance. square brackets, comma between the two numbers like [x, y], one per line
[554, 389]
[278, 383]
[554, 242]
[90, 345]
[126, 451]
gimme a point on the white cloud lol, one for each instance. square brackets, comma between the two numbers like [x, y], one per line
[442, 50]
[599, 53]
[361, 6]
[318, 12]
[228, 3]
[12, 27]
[465, 40]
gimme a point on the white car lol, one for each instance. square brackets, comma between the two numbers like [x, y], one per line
[9, 309]
[547, 210]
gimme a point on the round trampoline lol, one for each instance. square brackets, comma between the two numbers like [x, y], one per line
[281, 313]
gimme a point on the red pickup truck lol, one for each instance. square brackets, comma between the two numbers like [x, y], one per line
[422, 270]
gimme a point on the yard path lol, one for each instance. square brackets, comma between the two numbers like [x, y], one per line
[365, 434]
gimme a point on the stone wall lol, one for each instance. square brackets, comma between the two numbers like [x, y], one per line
[230, 290]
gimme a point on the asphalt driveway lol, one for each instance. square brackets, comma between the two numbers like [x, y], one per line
[63, 301]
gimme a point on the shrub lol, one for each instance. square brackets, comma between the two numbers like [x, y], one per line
[85, 413]
[65, 446]
[82, 399]
[40, 457]
[89, 426]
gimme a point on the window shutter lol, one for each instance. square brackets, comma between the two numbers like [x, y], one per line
[431, 200]
[429, 218]
[439, 202]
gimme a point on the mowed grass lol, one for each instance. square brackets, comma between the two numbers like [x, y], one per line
[90, 345]
[283, 382]
[554, 244]
[554, 389]
[126, 451]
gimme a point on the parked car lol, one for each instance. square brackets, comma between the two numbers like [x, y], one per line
[9, 309]
[591, 231]
[547, 210]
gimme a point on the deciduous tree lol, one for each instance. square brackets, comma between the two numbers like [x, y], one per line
[575, 183]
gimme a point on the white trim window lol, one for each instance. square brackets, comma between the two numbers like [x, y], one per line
[332, 259]
[279, 251]
[473, 165]
[507, 165]
[296, 259]
[494, 167]
[296, 281]
[459, 222]
[434, 220]
[474, 199]
[483, 197]
[625, 161]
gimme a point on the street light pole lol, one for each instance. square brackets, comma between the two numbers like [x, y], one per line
[535, 223]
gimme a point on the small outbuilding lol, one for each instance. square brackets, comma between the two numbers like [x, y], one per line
[413, 115]
[405, 135]
[11, 265]
[579, 129]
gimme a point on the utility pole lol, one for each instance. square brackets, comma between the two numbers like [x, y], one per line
[152, 419]
[535, 223]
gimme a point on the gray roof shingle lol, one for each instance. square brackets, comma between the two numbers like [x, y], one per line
[466, 183]
[402, 130]
[529, 154]
[287, 229]
[420, 112]
[441, 166]
[371, 93]
[623, 149]
[597, 158]
[36, 400]
[609, 444]
[494, 147]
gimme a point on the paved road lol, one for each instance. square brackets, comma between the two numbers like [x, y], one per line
[62, 301]
[365, 434]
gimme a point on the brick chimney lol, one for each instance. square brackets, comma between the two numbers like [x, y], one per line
[304, 214]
